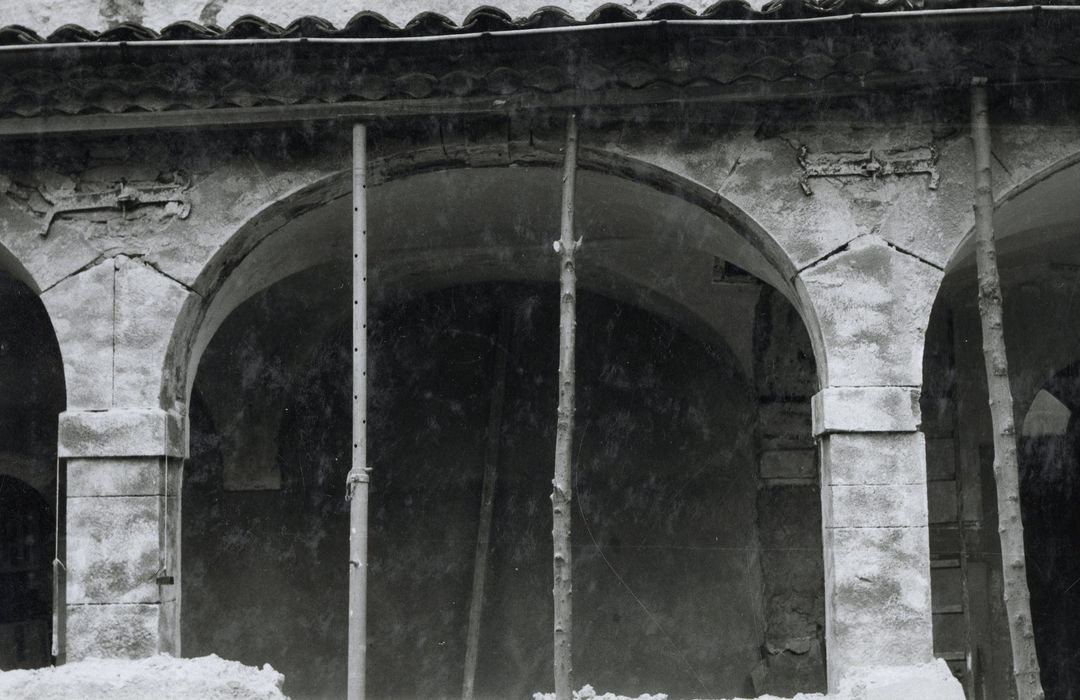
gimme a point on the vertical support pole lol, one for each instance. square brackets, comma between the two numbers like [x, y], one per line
[487, 503]
[1010, 526]
[59, 582]
[562, 590]
[357, 480]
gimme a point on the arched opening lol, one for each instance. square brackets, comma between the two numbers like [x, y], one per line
[1039, 256]
[1049, 455]
[31, 398]
[26, 539]
[698, 567]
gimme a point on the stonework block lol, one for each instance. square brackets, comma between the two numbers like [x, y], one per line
[121, 433]
[889, 505]
[119, 631]
[877, 597]
[873, 303]
[81, 309]
[873, 458]
[865, 409]
[788, 464]
[113, 549]
[899, 682]
[785, 419]
[124, 476]
[147, 306]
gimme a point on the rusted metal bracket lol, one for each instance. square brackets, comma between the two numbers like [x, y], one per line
[123, 197]
[871, 164]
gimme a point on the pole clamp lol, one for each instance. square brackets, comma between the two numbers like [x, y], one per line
[354, 477]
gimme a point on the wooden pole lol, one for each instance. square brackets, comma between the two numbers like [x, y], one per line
[562, 590]
[357, 480]
[487, 502]
[1010, 526]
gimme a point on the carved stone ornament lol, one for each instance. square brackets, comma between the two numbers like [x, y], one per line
[868, 164]
[169, 191]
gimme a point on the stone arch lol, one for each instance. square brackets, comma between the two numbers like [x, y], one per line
[1038, 255]
[629, 210]
[1054, 177]
[1035, 246]
[32, 395]
[1049, 464]
[245, 263]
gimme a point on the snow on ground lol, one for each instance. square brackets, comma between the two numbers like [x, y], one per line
[588, 693]
[206, 678]
[213, 678]
[930, 681]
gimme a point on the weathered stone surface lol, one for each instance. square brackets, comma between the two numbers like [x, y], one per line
[788, 672]
[169, 625]
[891, 505]
[877, 597]
[807, 228]
[81, 309]
[114, 631]
[873, 305]
[121, 477]
[122, 433]
[147, 305]
[874, 458]
[928, 222]
[786, 425]
[894, 682]
[865, 409]
[788, 464]
[113, 548]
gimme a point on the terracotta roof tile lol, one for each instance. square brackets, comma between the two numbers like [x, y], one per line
[372, 25]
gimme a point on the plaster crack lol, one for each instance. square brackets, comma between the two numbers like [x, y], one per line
[823, 258]
[1002, 164]
[795, 145]
[921, 259]
[731, 171]
[442, 139]
[157, 268]
[100, 258]
[270, 191]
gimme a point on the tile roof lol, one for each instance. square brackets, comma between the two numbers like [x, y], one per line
[371, 25]
[53, 84]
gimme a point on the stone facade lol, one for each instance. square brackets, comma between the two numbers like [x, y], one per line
[831, 407]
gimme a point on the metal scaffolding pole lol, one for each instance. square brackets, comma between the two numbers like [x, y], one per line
[357, 480]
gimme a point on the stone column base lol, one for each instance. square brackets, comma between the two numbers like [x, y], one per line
[931, 681]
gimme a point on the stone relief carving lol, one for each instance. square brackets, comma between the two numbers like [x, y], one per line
[60, 196]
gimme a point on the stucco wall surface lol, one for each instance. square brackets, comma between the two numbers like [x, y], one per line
[48, 15]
